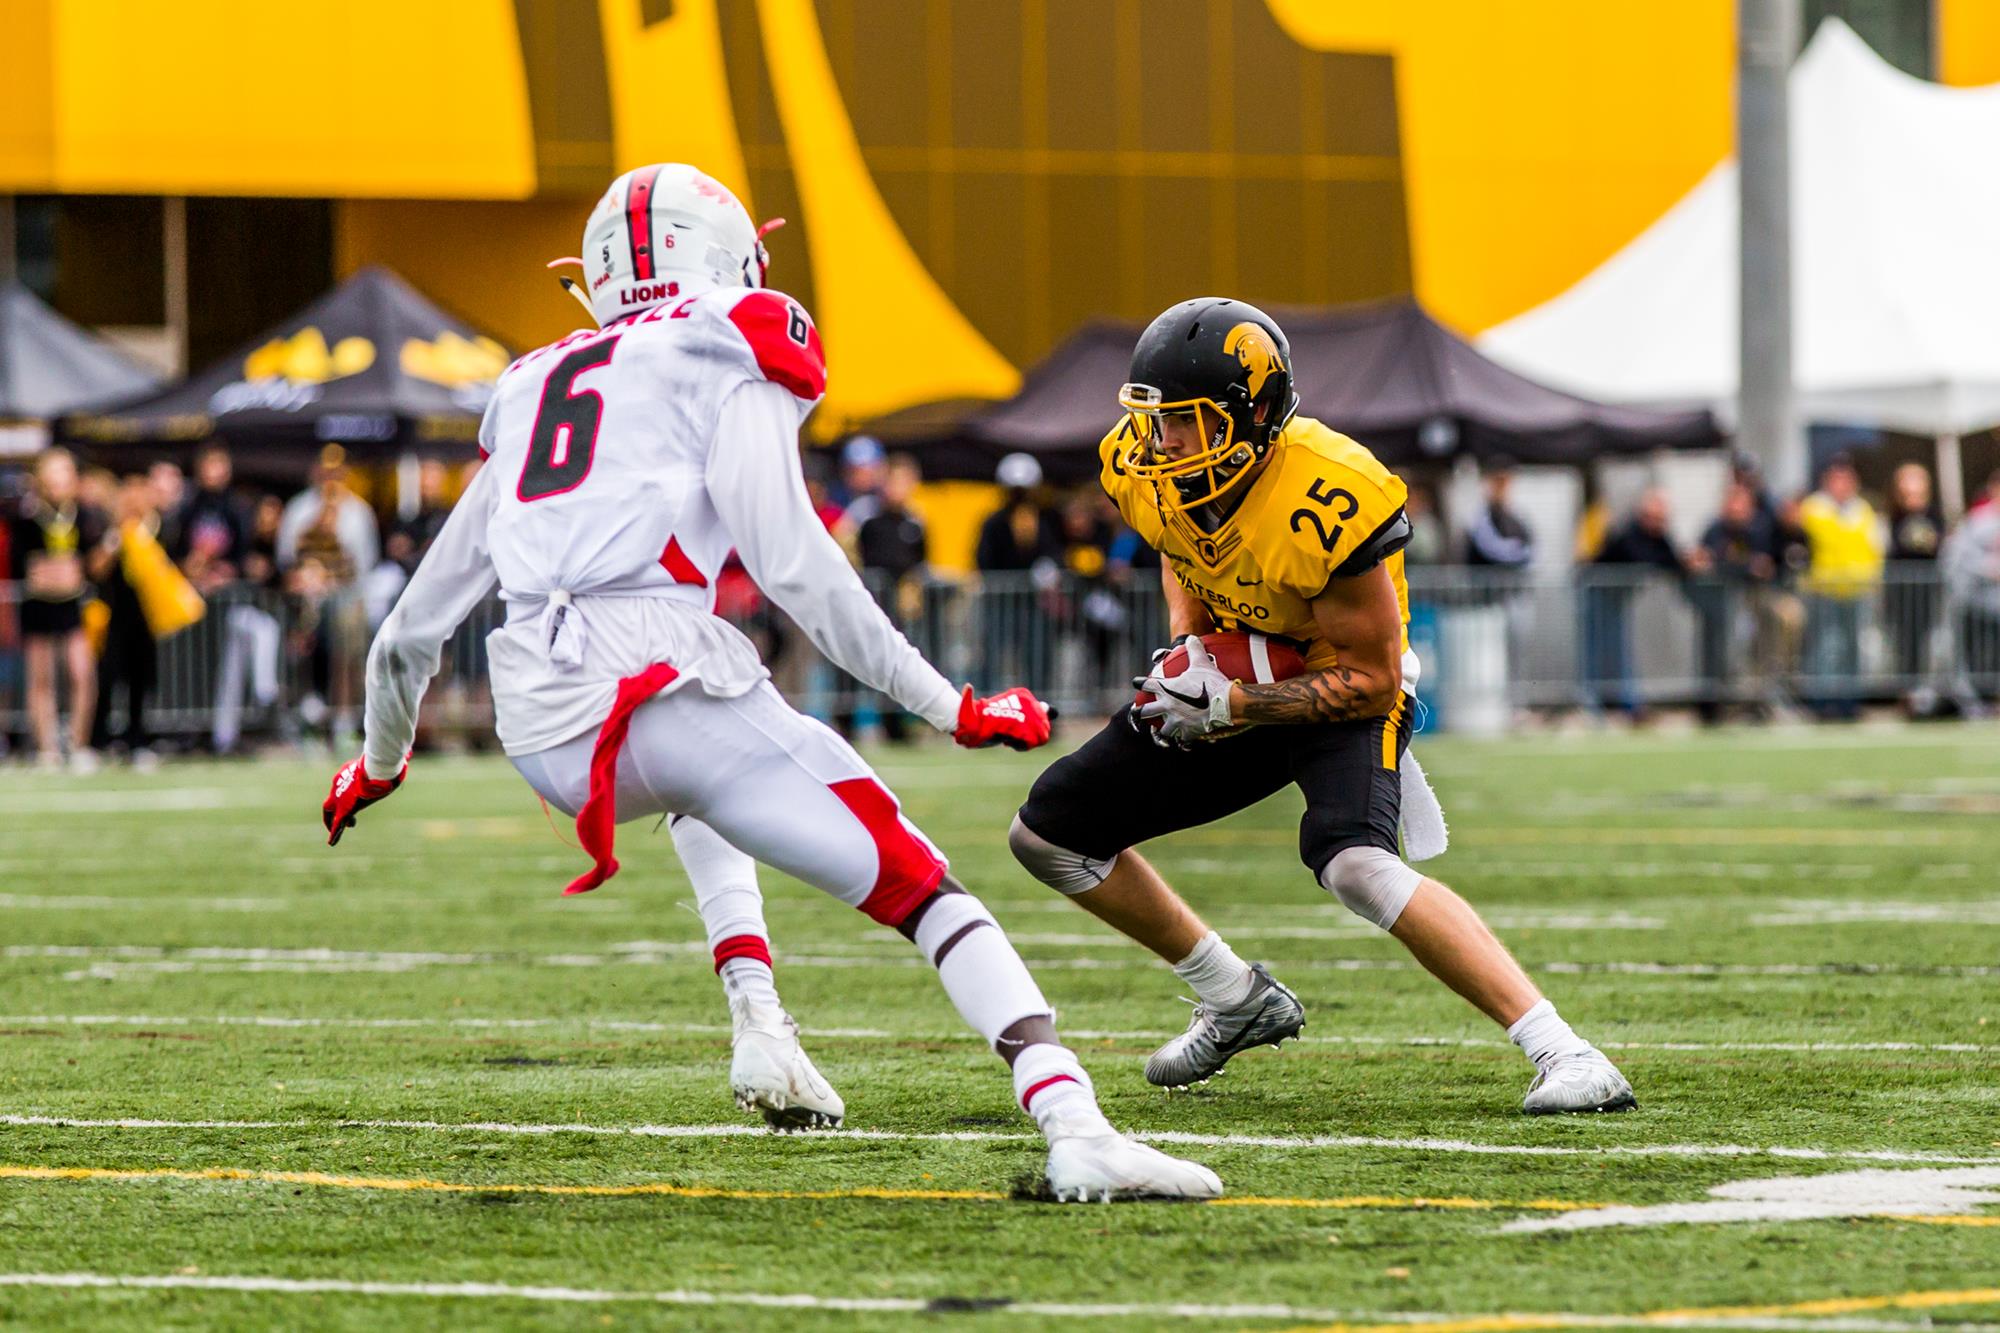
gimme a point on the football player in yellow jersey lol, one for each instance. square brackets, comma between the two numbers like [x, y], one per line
[1269, 521]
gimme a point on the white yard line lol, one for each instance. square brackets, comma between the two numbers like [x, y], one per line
[112, 962]
[69, 902]
[1303, 1143]
[883, 1034]
[285, 1021]
[498, 1291]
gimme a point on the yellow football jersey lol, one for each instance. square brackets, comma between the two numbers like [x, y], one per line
[1320, 508]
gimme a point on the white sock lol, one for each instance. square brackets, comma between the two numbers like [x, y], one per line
[1220, 979]
[1051, 1086]
[988, 983]
[750, 980]
[1543, 1036]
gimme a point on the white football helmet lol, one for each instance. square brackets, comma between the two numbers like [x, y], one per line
[667, 231]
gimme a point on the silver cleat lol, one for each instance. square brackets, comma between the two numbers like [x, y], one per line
[1270, 1014]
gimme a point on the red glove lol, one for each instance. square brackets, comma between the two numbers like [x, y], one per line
[354, 791]
[1014, 718]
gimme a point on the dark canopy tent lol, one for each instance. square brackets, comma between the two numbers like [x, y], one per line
[1387, 374]
[372, 365]
[49, 366]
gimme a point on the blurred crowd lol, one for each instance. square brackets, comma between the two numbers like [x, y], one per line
[98, 569]
[1062, 574]
[1786, 592]
[272, 598]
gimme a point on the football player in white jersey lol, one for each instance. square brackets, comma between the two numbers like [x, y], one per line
[623, 464]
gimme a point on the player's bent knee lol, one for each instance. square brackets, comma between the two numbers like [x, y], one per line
[1373, 884]
[1065, 871]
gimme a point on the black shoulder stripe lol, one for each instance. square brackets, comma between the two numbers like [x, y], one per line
[1384, 542]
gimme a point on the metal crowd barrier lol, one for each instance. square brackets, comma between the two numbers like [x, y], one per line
[1491, 644]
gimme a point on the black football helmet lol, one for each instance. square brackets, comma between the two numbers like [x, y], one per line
[1212, 352]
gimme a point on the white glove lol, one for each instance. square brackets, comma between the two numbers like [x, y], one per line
[1191, 705]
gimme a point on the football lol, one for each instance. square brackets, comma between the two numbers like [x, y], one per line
[1250, 658]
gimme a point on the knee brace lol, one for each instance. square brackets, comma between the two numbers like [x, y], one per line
[1064, 871]
[1373, 884]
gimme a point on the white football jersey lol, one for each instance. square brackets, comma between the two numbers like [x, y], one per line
[622, 465]
[601, 441]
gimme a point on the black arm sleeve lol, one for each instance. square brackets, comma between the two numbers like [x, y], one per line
[1385, 541]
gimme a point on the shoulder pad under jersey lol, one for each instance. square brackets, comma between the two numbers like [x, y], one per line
[782, 341]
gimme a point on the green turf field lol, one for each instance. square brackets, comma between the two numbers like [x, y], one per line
[407, 1061]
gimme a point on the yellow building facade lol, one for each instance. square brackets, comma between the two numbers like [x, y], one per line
[965, 180]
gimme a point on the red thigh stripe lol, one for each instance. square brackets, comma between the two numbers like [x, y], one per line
[743, 946]
[907, 870]
[597, 822]
[1029, 1095]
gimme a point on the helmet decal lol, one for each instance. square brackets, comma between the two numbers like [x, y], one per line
[639, 221]
[1254, 351]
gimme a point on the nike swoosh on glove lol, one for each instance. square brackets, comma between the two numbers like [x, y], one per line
[1190, 705]
[1014, 718]
[354, 791]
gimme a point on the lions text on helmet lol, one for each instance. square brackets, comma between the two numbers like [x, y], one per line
[666, 231]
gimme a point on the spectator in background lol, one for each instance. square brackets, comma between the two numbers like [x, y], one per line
[327, 541]
[1606, 589]
[50, 538]
[1498, 539]
[1022, 543]
[210, 531]
[1087, 534]
[1910, 600]
[1844, 568]
[1988, 498]
[130, 661]
[12, 480]
[862, 470]
[894, 551]
[169, 485]
[1971, 565]
[1731, 600]
[433, 508]
[337, 513]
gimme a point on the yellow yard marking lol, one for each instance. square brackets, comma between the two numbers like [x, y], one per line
[1835, 1305]
[325, 1180]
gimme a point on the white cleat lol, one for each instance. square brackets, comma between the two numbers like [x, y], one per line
[1573, 1084]
[769, 1073]
[1101, 1168]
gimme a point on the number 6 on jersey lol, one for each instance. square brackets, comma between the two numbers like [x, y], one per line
[565, 431]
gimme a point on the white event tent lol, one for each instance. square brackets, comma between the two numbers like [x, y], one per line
[1895, 267]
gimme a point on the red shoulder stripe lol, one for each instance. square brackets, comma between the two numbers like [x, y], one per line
[784, 342]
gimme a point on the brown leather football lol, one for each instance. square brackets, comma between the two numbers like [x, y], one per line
[1247, 658]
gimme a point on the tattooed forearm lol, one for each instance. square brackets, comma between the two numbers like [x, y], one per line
[1336, 694]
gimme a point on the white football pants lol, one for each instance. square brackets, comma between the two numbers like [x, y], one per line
[778, 785]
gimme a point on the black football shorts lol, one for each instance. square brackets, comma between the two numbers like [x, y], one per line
[1120, 789]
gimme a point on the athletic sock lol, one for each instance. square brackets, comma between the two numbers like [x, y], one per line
[1543, 1036]
[988, 983]
[1220, 979]
[732, 912]
[748, 980]
[1051, 1086]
